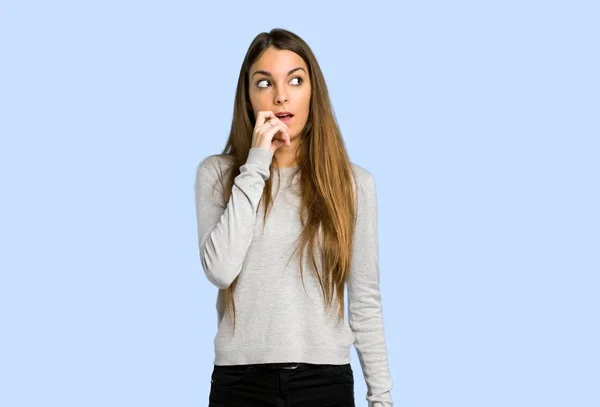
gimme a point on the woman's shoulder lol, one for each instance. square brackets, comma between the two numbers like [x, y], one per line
[217, 162]
[363, 177]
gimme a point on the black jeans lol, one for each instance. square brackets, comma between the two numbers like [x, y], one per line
[282, 385]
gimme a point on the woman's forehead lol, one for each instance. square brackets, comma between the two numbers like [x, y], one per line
[278, 62]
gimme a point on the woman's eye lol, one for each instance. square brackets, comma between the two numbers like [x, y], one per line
[300, 80]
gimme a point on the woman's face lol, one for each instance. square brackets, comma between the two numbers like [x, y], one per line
[278, 82]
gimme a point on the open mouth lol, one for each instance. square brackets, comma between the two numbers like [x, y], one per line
[284, 117]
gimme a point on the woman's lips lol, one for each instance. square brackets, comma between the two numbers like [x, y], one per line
[286, 119]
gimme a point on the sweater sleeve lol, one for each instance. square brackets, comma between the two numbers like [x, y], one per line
[225, 230]
[364, 299]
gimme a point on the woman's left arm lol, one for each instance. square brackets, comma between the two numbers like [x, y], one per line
[364, 297]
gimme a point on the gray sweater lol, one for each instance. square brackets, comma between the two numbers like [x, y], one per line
[278, 319]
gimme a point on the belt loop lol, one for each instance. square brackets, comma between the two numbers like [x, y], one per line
[291, 367]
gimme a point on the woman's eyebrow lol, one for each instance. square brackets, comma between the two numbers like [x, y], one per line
[270, 74]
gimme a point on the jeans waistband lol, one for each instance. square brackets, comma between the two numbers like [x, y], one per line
[283, 365]
[275, 366]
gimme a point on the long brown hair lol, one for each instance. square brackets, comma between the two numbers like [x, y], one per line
[327, 210]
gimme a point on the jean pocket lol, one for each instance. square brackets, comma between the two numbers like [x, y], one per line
[348, 374]
[340, 373]
[229, 375]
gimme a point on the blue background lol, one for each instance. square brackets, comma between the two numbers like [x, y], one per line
[478, 120]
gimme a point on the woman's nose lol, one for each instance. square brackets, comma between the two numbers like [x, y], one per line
[281, 98]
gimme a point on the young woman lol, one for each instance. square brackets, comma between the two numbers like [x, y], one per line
[285, 223]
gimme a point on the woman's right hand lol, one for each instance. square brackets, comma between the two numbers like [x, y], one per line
[269, 132]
